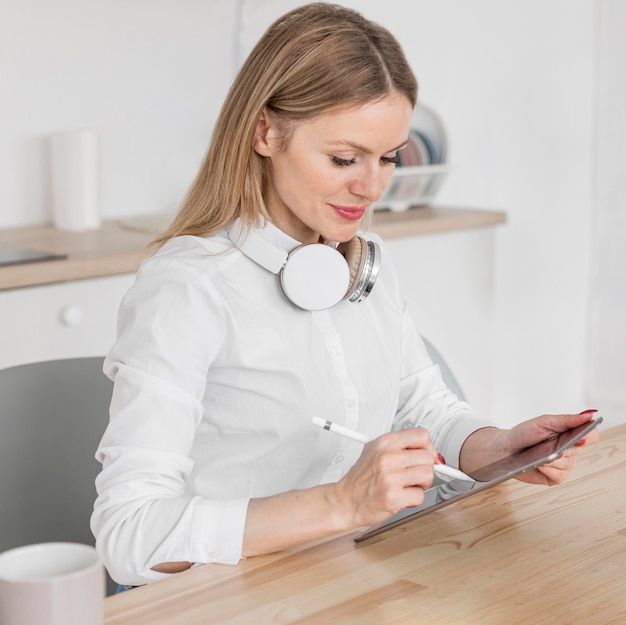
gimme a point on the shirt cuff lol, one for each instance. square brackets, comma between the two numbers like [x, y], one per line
[217, 533]
[450, 447]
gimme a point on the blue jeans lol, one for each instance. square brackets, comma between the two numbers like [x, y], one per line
[123, 588]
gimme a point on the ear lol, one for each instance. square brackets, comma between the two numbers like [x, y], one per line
[265, 135]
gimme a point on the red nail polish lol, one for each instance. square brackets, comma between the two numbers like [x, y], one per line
[441, 459]
[588, 411]
[579, 443]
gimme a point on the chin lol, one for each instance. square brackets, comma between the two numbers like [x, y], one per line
[340, 234]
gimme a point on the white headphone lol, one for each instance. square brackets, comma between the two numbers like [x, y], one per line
[315, 276]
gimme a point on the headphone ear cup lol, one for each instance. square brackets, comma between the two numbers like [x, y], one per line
[354, 253]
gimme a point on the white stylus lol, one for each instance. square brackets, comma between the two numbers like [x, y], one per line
[442, 471]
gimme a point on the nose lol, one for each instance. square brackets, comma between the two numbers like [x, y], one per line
[371, 183]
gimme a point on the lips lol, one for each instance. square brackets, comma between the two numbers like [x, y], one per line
[351, 214]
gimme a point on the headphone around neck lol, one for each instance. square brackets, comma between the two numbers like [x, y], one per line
[315, 276]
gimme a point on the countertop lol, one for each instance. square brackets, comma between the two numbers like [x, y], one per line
[118, 246]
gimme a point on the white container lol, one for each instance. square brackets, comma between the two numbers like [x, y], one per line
[51, 584]
[75, 169]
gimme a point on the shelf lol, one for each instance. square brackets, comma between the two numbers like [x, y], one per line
[108, 251]
[432, 220]
[118, 246]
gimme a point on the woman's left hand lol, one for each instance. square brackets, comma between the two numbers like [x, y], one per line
[494, 444]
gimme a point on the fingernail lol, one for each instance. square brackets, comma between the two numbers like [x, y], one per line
[441, 459]
[588, 411]
[581, 442]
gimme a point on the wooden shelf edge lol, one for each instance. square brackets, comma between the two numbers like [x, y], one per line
[431, 220]
[118, 246]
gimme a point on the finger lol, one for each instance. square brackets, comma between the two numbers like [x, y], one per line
[590, 438]
[559, 470]
[400, 460]
[392, 472]
[564, 463]
[407, 497]
[561, 423]
[412, 438]
[546, 475]
[397, 488]
[421, 476]
[423, 439]
[554, 474]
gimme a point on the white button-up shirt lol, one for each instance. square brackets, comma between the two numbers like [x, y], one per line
[217, 376]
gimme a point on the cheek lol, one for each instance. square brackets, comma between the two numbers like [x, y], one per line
[293, 170]
[386, 176]
[316, 179]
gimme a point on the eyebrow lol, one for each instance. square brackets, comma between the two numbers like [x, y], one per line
[362, 148]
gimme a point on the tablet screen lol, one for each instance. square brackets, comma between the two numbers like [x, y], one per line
[444, 493]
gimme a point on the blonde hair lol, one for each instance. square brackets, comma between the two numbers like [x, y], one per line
[315, 58]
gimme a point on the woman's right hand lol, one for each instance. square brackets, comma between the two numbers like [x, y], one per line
[392, 473]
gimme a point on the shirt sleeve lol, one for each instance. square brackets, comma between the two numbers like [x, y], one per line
[426, 401]
[169, 330]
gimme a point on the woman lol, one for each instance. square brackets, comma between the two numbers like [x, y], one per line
[219, 366]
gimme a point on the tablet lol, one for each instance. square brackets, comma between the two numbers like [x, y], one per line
[444, 493]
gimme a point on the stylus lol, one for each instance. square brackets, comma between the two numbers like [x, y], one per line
[442, 471]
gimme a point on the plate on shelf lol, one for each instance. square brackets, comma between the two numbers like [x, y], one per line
[422, 168]
[412, 186]
[430, 126]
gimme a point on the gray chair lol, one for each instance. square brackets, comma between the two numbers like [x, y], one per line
[446, 373]
[52, 416]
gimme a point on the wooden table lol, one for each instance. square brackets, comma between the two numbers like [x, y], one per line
[515, 554]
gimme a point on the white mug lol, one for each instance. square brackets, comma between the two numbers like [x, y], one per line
[51, 584]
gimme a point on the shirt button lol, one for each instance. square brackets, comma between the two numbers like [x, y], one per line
[350, 403]
[339, 459]
[213, 555]
[335, 351]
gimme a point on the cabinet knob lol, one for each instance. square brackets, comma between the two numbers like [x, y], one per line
[71, 315]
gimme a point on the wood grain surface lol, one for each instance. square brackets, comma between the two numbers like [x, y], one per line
[516, 554]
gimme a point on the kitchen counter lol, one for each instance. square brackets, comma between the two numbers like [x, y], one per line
[118, 246]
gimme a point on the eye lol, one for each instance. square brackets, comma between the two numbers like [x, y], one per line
[390, 160]
[343, 162]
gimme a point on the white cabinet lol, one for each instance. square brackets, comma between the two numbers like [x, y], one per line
[62, 320]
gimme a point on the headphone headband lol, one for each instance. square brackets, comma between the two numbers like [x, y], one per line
[314, 276]
[257, 248]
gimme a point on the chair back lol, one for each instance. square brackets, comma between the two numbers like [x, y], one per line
[446, 373]
[52, 416]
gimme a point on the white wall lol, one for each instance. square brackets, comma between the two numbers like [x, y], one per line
[149, 75]
[607, 337]
[515, 82]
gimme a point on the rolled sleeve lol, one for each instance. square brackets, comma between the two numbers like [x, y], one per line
[144, 514]
[426, 401]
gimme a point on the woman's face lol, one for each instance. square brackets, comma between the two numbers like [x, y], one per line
[333, 167]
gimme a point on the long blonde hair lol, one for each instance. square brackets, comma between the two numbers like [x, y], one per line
[315, 58]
